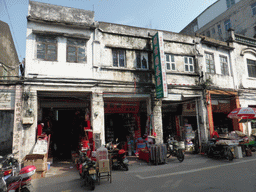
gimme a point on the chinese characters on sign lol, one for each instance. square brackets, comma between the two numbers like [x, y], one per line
[6, 100]
[159, 63]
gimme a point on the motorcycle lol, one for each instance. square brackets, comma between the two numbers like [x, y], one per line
[119, 160]
[12, 163]
[89, 173]
[87, 170]
[175, 149]
[222, 151]
[11, 183]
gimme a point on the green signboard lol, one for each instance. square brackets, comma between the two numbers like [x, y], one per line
[159, 65]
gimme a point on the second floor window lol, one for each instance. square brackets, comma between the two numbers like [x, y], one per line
[189, 64]
[230, 3]
[46, 48]
[227, 24]
[209, 61]
[170, 62]
[251, 65]
[253, 6]
[76, 51]
[118, 57]
[224, 65]
[141, 60]
[219, 29]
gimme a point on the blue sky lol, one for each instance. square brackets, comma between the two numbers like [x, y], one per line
[169, 15]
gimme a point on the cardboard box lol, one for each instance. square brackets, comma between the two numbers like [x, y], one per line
[39, 161]
[38, 175]
[104, 165]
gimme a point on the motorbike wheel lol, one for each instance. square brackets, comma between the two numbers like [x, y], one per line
[91, 184]
[25, 189]
[229, 156]
[168, 154]
[125, 167]
[180, 155]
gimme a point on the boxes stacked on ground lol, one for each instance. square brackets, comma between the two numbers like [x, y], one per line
[39, 161]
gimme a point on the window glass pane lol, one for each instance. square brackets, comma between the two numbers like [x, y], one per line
[144, 63]
[172, 58]
[51, 53]
[41, 51]
[71, 54]
[167, 58]
[190, 61]
[81, 55]
[186, 60]
[121, 58]
[173, 66]
[168, 66]
[115, 58]
[138, 60]
[191, 68]
[186, 67]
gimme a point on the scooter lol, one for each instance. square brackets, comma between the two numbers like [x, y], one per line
[87, 170]
[174, 149]
[221, 151]
[8, 161]
[19, 183]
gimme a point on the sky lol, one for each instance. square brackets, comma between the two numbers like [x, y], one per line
[169, 15]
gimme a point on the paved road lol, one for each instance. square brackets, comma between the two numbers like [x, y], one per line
[197, 173]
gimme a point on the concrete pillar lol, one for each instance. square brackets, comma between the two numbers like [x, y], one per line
[202, 112]
[17, 126]
[157, 119]
[97, 115]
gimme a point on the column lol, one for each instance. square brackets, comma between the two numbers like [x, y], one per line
[97, 115]
[157, 120]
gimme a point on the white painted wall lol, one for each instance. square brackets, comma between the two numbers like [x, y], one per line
[212, 12]
[59, 68]
[248, 82]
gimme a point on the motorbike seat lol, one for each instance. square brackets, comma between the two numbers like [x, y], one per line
[13, 179]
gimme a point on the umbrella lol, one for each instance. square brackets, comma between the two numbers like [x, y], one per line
[243, 113]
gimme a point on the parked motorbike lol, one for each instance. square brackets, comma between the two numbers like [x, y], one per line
[175, 149]
[11, 183]
[221, 151]
[119, 160]
[8, 161]
[87, 170]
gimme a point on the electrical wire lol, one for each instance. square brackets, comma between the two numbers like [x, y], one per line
[12, 29]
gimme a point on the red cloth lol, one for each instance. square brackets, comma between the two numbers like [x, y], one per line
[215, 133]
[39, 129]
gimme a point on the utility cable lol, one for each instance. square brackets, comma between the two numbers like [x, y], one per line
[12, 29]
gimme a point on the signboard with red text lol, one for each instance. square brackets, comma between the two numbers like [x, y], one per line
[159, 65]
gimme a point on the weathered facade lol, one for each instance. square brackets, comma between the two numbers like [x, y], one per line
[9, 89]
[215, 21]
[105, 72]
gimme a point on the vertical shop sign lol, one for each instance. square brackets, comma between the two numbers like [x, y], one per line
[159, 63]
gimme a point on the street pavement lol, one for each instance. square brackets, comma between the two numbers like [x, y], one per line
[195, 173]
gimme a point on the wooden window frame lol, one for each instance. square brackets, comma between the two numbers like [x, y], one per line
[224, 65]
[47, 44]
[188, 64]
[251, 68]
[213, 64]
[118, 51]
[77, 47]
[171, 62]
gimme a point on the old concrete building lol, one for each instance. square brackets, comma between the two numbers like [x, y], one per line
[224, 14]
[80, 70]
[10, 90]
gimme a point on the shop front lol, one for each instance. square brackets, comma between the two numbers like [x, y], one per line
[125, 121]
[64, 116]
[219, 104]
